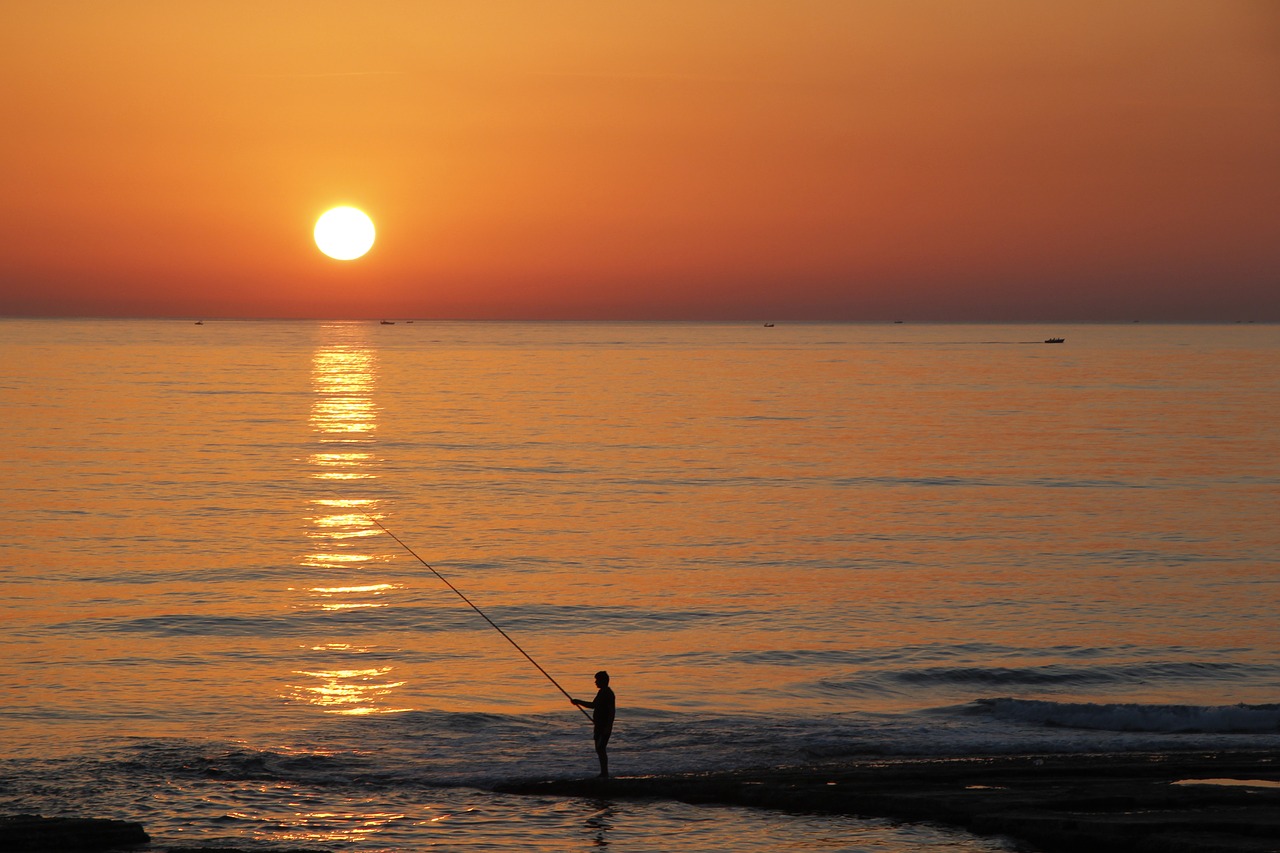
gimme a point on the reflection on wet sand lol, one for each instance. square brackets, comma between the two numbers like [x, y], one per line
[344, 536]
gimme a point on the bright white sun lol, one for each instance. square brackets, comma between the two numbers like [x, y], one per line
[344, 233]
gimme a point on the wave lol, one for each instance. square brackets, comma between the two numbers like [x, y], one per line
[448, 617]
[1133, 717]
[1047, 676]
[1058, 674]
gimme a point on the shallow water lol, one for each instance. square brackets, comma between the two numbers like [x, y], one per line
[788, 545]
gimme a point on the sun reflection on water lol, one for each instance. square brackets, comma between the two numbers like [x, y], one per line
[351, 691]
[373, 587]
[344, 422]
[285, 813]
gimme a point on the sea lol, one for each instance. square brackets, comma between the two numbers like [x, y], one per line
[325, 584]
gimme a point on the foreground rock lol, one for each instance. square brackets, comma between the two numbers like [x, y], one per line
[1131, 803]
[35, 833]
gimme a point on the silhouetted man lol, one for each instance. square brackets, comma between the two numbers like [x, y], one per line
[604, 706]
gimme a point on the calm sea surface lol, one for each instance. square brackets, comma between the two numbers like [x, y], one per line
[788, 545]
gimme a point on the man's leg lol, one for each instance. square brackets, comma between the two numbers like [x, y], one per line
[602, 743]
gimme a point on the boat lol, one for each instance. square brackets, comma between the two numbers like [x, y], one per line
[768, 325]
[1054, 340]
[388, 322]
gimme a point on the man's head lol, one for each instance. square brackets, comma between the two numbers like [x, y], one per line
[602, 679]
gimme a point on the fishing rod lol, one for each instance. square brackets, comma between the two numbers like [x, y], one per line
[472, 605]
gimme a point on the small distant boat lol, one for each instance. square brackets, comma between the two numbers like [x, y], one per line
[768, 325]
[1054, 340]
[199, 322]
[897, 322]
[388, 322]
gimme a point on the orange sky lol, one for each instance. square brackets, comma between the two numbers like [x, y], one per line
[841, 160]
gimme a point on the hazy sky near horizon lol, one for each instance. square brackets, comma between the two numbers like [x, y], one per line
[812, 159]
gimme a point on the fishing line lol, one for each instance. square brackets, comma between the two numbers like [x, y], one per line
[470, 604]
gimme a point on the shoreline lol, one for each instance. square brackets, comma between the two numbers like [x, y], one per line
[1075, 803]
[1165, 802]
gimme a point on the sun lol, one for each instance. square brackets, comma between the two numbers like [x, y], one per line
[344, 233]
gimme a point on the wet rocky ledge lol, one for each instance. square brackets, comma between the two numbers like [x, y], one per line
[1223, 802]
[1149, 803]
[37, 834]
